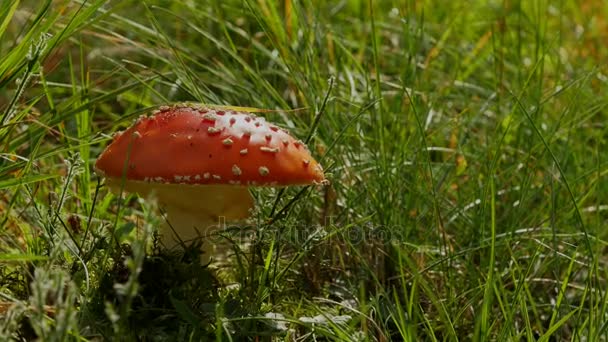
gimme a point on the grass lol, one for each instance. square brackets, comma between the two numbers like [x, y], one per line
[465, 143]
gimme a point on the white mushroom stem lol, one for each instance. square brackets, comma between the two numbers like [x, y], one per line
[182, 227]
[193, 211]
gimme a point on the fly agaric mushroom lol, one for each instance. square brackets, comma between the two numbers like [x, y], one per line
[198, 162]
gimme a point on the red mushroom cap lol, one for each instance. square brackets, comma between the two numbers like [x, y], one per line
[202, 145]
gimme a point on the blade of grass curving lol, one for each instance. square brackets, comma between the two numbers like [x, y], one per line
[7, 11]
[311, 132]
[485, 317]
[562, 293]
[13, 182]
[185, 72]
[554, 327]
[21, 257]
[578, 215]
[436, 209]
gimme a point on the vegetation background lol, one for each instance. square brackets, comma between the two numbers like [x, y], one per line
[465, 142]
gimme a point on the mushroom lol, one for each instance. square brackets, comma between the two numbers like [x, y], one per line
[199, 162]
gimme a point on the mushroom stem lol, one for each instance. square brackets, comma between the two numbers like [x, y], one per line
[184, 227]
[193, 211]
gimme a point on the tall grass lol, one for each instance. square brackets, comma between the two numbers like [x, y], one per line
[464, 142]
